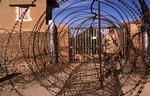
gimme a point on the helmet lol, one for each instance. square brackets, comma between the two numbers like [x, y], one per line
[110, 26]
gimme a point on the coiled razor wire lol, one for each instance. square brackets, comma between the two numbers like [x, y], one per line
[82, 78]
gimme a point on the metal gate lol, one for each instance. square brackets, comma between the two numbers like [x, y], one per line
[84, 44]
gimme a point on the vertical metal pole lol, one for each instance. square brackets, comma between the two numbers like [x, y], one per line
[69, 46]
[146, 15]
[99, 43]
[52, 40]
[145, 40]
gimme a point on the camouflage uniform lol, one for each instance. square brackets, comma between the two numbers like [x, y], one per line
[111, 43]
[111, 46]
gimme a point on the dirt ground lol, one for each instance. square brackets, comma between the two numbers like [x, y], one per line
[35, 89]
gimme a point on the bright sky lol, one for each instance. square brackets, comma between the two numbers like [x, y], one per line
[79, 13]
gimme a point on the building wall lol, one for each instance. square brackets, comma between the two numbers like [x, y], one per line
[134, 29]
[8, 14]
[14, 51]
[63, 43]
[33, 47]
[137, 40]
[15, 47]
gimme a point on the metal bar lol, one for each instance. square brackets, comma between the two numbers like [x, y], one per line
[22, 5]
[52, 38]
[99, 43]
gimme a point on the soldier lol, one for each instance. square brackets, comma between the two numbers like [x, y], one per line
[111, 50]
[110, 42]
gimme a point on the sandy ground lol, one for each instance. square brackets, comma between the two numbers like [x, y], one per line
[34, 89]
[146, 90]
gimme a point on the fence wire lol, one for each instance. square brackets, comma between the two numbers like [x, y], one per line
[26, 56]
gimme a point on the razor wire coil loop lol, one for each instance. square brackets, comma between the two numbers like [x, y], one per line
[36, 55]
